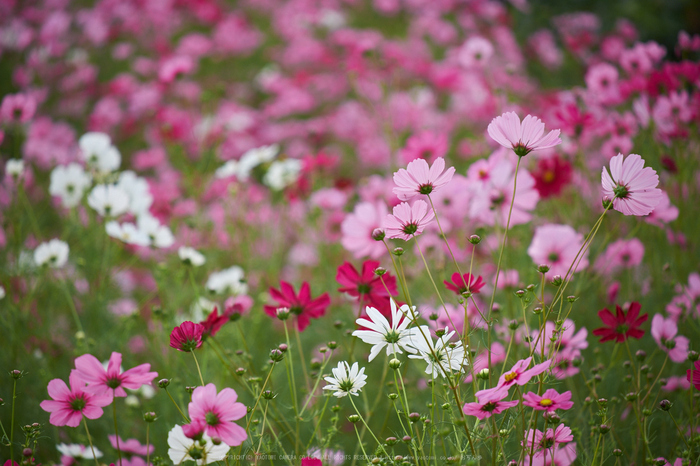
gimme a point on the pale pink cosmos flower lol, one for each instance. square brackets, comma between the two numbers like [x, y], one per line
[663, 213]
[632, 188]
[665, 333]
[357, 230]
[523, 137]
[549, 401]
[408, 220]
[490, 403]
[620, 254]
[544, 442]
[419, 179]
[557, 247]
[69, 405]
[131, 446]
[216, 411]
[519, 373]
[560, 455]
[111, 380]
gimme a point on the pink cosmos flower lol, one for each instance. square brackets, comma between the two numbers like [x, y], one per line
[425, 145]
[68, 406]
[631, 187]
[301, 305]
[357, 230]
[418, 178]
[111, 380]
[311, 462]
[490, 403]
[560, 455]
[523, 137]
[187, 336]
[544, 442]
[131, 446]
[550, 401]
[665, 333]
[693, 376]
[408, 220]
[367, 287]
[557, 246]
[520, 375]
[466, 282]
[620, 254]
[216, 412]
[17, 107]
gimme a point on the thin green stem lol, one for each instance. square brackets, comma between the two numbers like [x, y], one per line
[92, 448]
[12, 421]
[187, 421]
[201, 379]
[116, 430]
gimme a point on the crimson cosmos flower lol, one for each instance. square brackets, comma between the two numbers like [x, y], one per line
[459, 283]
[187, 336]
[367, 286]
[302, 306]
[621, 326]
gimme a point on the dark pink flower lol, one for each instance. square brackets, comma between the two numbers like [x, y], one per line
[466, 282]
[523, 137]
[543, 443]
[111, 380]
[68, 406]
[632, 188]
[311, 462]
[187, 336]
[419, 179]
[550, 401]
[693, 375]
[368, 287]
[519, 373]
[490, 402]
[425, 145]
[407, 220]
[621, 326]
[302, 306]
[213, 323]
[217, 411]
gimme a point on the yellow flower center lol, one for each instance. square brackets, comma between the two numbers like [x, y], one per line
[511, 376]
[546, 402]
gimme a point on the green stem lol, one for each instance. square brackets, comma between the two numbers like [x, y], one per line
[187, 421]
[90, 442]
[201, 379]
[148, 444]
[74, 311]
[116, 430]
[12, 420]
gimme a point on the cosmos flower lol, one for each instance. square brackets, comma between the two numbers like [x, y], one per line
[419, 179]
[489, 402]
[407, 220]
[523, 138]
[622, 325]
[216, 412]
[632, 188]
[69, 405]
[346, 380]
[302, 305]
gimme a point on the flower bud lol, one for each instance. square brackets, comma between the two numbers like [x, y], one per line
[513, 325]
[537, 311]
[665, 405]
[240, 371]
[602, 402]
[394, 363]
[475, 239]
[640, 355]
[391, 441]
[190, 389]
[646, 412]
[398, 252]
[467, 294]
[393, 396]
[27, 452]
[520, 293]
[617, 452]
[571, 299]
[604, 429]
[406, 438]
[503, 433]
[433, 316]
[414, 417]
[445, 406]
[335, 408]
[552, 418]
[379, 271]
[150, 417]
[398, 458]
[607, 203]
[693, 356]
[163, 383]
[269, 395]
[375, 461]
[531, 287]
[216, 440]
[16, 374]
[631, 396]
[276, 355]
[543, 268]
[282, 313]
[378, 234]
[670, 344]
[354, 418]
[557, 280]
[332, 345]
[440, 332]
[483, 374]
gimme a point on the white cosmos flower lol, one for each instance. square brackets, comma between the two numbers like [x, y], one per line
[158, 235]
[69, 182]
[14, 167]
[128, 233]
[53, 253]
[99, 153]
[394, 336]
[184, 449]
[108, 200]
[282, 173]
[77, 451]
[451, 355]
[253, 158]
[230, 168]
[191, 256]
[346, 379]
[140, 198]
[228, 281]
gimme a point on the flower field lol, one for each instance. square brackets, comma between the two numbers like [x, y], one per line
[325, 232]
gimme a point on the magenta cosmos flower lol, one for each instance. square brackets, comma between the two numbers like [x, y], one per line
[217, 411]
[68, 406]
[463, 283]
[544, 442]
[367, 287]
[557, 246]
[550, 401]
[693, 375]
[302, 306]
[523, 137]
[519, 373]
[419, 179]
[632, 188]
[187, 336]
[621, 326]
[111, 381]
[131, 446]
[665, 333]
[490, 403]
[408, 220]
